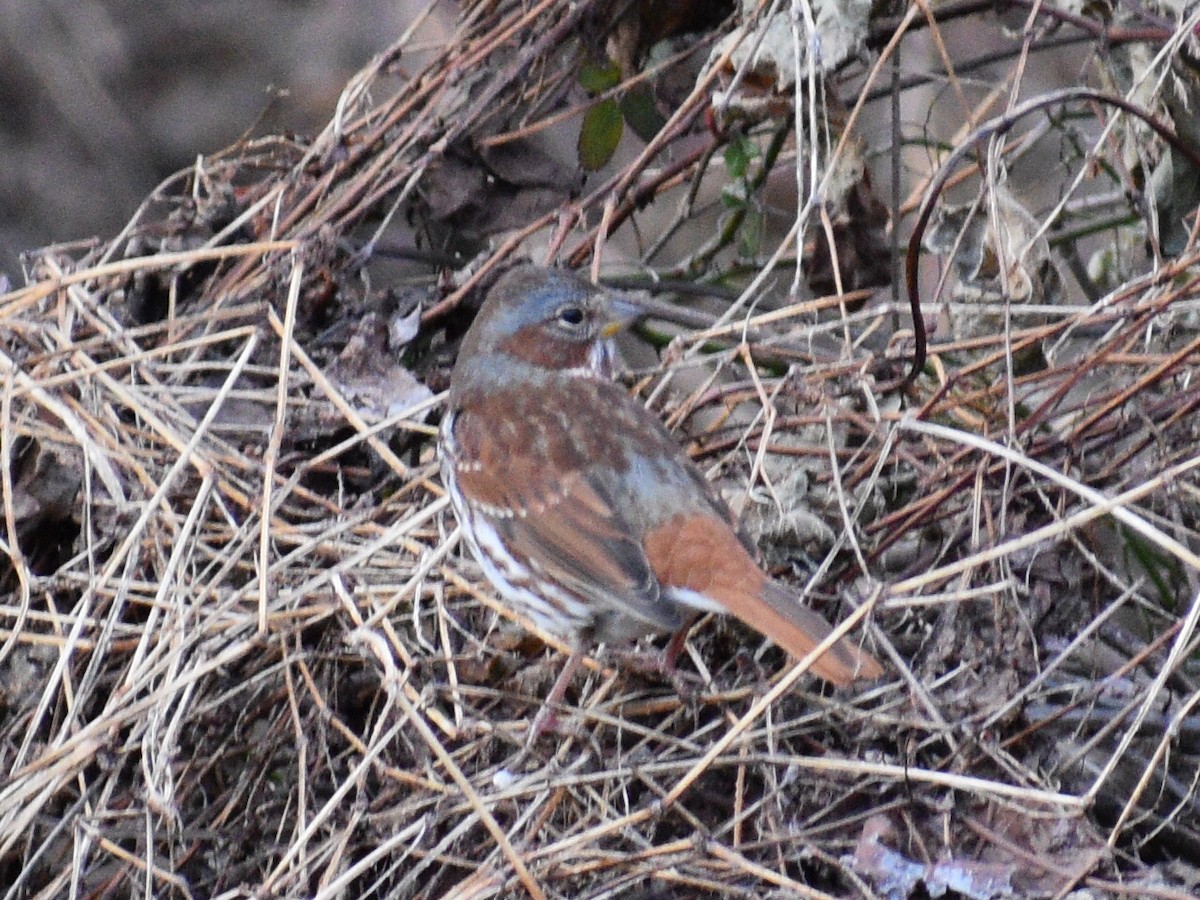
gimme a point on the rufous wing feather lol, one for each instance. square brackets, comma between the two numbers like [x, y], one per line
[702, 554]
[565, 528]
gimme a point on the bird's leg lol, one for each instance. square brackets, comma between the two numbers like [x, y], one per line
[670, 659]
[663, 663]
[674, 647]
[547, 717]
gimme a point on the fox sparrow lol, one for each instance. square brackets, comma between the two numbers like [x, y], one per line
[579, 505]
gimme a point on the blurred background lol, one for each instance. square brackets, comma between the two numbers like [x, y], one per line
[102, 99]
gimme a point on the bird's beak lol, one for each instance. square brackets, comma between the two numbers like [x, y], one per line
[622, 312]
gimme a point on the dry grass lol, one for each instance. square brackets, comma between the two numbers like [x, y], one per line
[243, 656]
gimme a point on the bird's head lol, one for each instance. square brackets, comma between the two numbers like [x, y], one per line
[547, 319]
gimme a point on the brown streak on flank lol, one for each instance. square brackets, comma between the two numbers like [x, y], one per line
[703, 554]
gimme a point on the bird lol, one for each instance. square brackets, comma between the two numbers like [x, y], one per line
[581, 508]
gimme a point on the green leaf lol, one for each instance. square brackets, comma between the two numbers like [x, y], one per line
[598, 77]
[750, 235]
[738, 155]
[733, 195]
[640, 112]
[600, 134]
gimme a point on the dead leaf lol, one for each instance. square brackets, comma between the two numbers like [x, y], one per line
[769, 52]
[370, 375]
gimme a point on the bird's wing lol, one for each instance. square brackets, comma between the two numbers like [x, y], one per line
[538, 483]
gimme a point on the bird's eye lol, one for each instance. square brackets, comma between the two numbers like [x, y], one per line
[571, 316]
